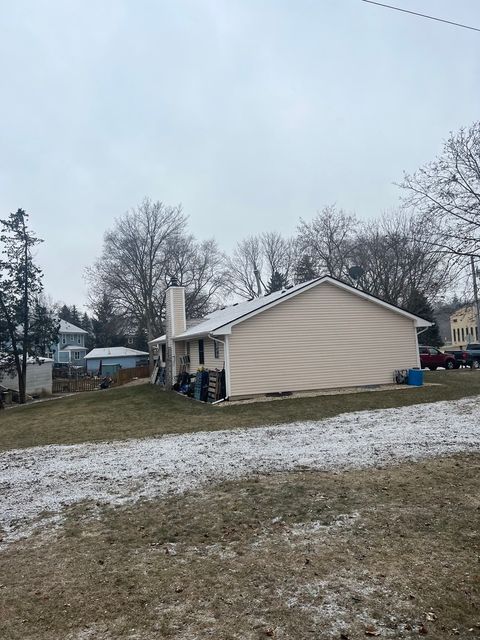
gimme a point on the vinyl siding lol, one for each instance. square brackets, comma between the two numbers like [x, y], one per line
[210, 361]
[325, 337]
[39, 379]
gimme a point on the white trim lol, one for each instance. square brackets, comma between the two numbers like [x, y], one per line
[226, 355]
[226, 363]
[171, 311]
[419, 364]
[226, 329]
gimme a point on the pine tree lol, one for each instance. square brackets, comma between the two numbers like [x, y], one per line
[86, 325]
[74, 316]
[420, 306]
[140, 340]
[304, 270]
[65, 313]
[44, 328]
[107, 325]
[277, 282]
[20, 287]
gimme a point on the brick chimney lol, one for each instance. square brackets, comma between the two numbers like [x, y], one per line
[176, 323]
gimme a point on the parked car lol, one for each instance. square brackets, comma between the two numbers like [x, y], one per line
[432, 358]
[461, 357]
[473, 352]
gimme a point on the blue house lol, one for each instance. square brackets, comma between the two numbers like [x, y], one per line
[109, 360]
[70, 348]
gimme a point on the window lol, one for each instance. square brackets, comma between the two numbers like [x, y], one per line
[201, 352]
[216, 350]
[79, 339]
[463, 334]
[164, 352]
[76, 355]
[64, 339]
[130, 340]
[433, 352]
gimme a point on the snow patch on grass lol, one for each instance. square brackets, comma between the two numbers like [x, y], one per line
[50, 478]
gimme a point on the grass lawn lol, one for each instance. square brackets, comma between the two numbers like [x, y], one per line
[389, 552]
[145, 410]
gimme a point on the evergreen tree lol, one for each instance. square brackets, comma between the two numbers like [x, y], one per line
[74, 316]
[44, 328]
[107, 324]
[277, 282]
[65, 313]
[86, 325]
[20, 287]
[420, 306]
[140, 340]
[304, 270]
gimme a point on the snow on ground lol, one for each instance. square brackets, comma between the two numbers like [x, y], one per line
[47, 479]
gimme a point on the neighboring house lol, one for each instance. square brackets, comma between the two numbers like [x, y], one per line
[316, 335]
[109, 360]
[39, 377]
[463, 324]
[71, 344]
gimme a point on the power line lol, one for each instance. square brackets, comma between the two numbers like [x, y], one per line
[422, 15]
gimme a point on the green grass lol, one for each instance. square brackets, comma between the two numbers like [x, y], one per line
[145, 410]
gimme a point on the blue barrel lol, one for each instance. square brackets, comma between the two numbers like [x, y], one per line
[415, 377]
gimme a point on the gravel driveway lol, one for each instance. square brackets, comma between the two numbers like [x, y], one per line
[46, 479]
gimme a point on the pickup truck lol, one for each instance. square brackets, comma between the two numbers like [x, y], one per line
[432, 358]
[473, 352]
[461, 357]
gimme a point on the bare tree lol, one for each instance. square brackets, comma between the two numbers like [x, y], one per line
[244, 268]
[328, 240]
[446, 192]
[132, 265]
[397, 263]
[144, 250]
[200, 267]
[256, 259]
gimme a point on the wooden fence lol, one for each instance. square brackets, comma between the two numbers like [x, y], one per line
[72, 385]
[76, 385]
[125, 375]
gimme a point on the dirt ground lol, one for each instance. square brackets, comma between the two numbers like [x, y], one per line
[388, 552]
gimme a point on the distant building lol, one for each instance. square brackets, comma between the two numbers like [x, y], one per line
[70, 348]
[109, 360]
[463, 325]
[39, 377]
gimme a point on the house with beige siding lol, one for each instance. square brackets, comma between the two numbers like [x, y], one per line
[464, 327]
[316, 335]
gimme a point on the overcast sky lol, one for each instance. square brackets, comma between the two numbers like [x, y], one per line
[251, 113]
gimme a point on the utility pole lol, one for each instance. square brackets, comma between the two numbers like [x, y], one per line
[475, 296]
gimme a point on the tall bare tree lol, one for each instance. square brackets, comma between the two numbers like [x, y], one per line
[146, 248]
[258, 259]
[446, 192]
[397, 264]
[327, 240]
[134, 259]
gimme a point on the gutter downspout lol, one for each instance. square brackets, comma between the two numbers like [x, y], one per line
[226, 358]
